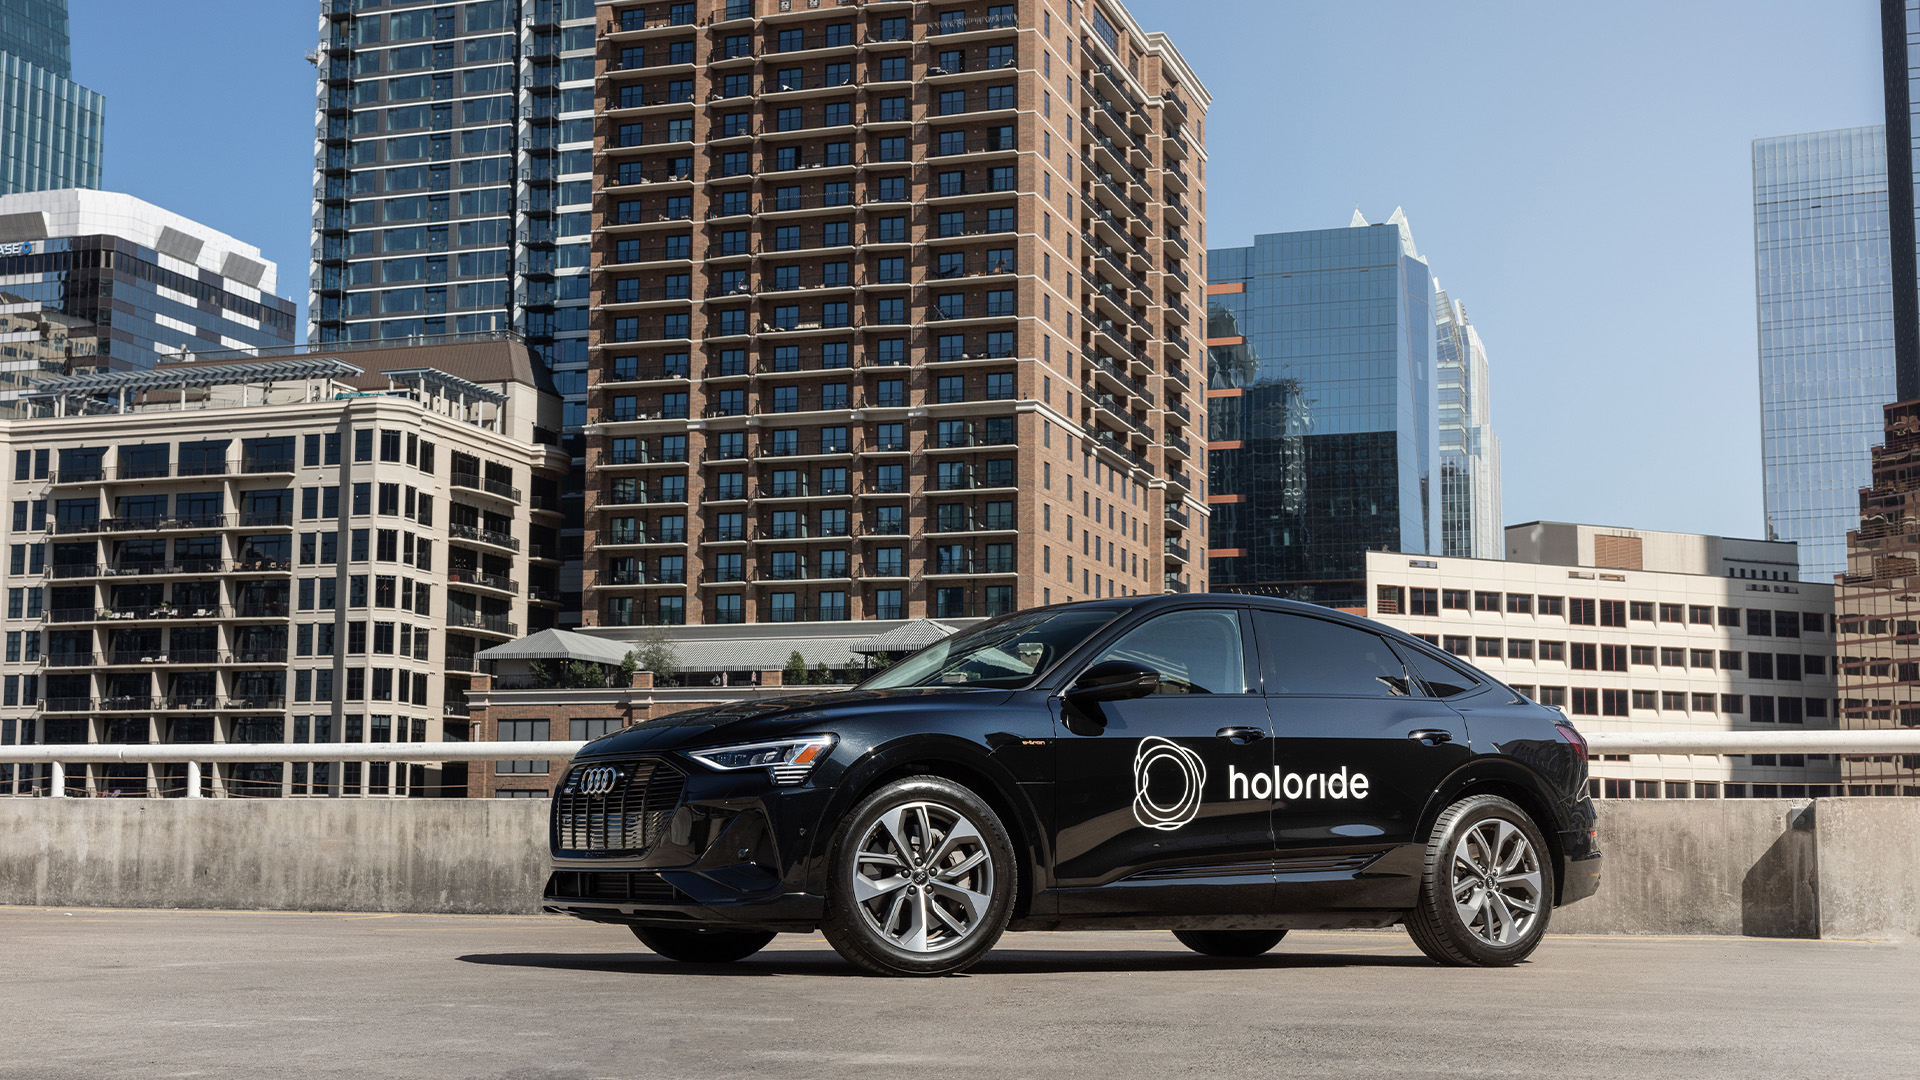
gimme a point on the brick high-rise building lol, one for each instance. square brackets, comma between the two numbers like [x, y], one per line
[895, 311]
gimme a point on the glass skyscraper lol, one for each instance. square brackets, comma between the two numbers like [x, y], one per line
[1470, 525]
[1824, 281]
[1321, 420]
[105, 281]
[452, 172]
[51, 128]
[453, 166]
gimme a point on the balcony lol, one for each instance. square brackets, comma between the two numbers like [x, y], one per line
[1109, 407]
[476, 533]
[154, 613]
[945, 148]
[950, 28]
[253, 703]
[108, 474]
[481, 578]
[644, 495]
[475, 620]
[475, 482]
[642, 59]
[70, 571]
[627, 370]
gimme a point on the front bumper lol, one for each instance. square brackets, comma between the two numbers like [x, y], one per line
[655, 901]
[733, 852]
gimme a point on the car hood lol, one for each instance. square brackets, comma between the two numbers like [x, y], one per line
[768, 718]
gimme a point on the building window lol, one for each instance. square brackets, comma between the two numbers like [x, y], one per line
[1423, 602]
[1486, 601]
[1453, 599]
[522, 731]
[1519, 603]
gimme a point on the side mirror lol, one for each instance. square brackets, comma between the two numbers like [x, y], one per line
[1113, 680]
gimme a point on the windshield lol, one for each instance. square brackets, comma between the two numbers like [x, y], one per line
[1003, 654]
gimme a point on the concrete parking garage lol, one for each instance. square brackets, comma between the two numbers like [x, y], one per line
[118, 993]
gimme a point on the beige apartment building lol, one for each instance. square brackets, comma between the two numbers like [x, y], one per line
[896, 311]
[296, 547]
[1637, 630]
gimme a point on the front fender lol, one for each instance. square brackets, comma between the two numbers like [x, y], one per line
[941, 755]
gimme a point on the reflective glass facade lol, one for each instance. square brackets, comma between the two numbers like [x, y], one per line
[36, 31]
[111, 282]
[1321, 421]
[452, 172]
[1824, 279]
[51, 128]
[453, 184]
[1470, 526]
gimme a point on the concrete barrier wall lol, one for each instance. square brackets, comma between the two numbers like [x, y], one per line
[441, 855]
[1773, 868]
[1724, 866]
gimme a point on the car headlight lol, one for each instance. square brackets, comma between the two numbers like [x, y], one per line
[789, 759]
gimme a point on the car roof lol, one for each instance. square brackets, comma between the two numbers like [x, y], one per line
[1275, 603]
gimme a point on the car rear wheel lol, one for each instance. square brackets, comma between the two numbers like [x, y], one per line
[1229, 942]
[923, 876]
[702, 946]
[1487, 889]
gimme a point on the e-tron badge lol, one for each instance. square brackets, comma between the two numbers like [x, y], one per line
[1167, 780]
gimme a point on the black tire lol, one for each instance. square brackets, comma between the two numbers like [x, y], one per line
[1503, 930]
[1240, 943]
[968, 878]
[702, 946]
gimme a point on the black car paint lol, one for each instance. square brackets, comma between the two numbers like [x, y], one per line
[756, 855]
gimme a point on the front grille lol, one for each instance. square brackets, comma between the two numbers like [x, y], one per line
[644, 886]
[622, 817]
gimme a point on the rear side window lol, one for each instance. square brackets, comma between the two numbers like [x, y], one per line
[1442, 679]
[1305, 656]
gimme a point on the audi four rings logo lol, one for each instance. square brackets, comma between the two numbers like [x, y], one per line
[1180, 771]
[598, 780]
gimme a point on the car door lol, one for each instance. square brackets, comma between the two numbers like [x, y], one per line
[1144, 821]
[1358, 744]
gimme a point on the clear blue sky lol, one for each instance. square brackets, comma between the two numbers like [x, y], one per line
[1579, 175]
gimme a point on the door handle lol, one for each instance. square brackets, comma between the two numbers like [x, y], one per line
[1241, 736]
[1431, 736]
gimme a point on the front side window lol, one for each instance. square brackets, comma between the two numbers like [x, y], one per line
[1007, 653]
[1195, 652]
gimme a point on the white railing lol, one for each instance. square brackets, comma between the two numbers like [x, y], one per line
[1688, 743]
[1716, 743]
[192, 754]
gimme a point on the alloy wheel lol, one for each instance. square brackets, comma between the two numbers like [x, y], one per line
[1496, 882]
[923, 877]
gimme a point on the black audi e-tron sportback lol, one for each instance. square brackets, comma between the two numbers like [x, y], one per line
[1225, 767]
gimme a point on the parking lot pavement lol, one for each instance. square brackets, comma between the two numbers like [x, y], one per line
[95, 993]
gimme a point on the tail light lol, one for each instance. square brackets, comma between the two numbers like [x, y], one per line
[1573, 737]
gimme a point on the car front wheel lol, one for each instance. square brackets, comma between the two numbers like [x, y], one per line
[923, 877]
[702, 946]
[1487, 889]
